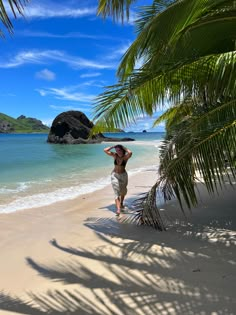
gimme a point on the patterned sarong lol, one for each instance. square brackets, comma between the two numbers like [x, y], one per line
[119, 183]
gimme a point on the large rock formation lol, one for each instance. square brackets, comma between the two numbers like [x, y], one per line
[73, 127]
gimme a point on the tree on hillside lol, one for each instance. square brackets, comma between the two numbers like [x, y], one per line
[16, 7]
[187, 49]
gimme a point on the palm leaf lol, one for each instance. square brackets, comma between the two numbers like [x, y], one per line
[142, 94]
[201, 147]
[175, 115]
[188, 57]
[17, 6]
[165, 47]
[118, 9]
[147, 212]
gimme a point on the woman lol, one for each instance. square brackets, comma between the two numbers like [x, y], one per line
[119, 176]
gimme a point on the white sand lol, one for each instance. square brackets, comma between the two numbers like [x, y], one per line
[75, 257]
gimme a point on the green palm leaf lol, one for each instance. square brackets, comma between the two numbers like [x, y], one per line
[201, 147]
[181, 31]
[121, 104]
[187, 54]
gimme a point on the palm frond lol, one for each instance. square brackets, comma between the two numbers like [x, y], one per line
[187, 54]
[206, 148]
[147, 12]
[114, 108]
[181, 31]
[17, 6]
[118, 9]
[202, 147]
[175, 115]
[121, 104]
[147, 212]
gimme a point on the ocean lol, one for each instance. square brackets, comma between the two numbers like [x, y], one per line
[34, 173]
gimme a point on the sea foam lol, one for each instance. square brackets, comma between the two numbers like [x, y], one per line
[61, 194]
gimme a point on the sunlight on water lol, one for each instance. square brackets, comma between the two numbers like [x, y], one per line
[35, 173]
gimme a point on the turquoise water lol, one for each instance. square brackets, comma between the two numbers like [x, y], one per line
[34, 173]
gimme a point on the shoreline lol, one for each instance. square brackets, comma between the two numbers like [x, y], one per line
[63, 194]
[75, 257]
[65, 174]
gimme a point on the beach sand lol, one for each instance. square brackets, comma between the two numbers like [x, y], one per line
[76, 257]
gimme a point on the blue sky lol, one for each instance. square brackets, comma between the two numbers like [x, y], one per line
[60, 57]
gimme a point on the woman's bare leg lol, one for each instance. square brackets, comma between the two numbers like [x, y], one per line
[118, 205]
[122, 197]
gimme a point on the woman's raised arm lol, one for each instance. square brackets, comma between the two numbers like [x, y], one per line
[108, 152]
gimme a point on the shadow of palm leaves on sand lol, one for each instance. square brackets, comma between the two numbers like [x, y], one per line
[52, 302]
[223, 233]
[145, 280]
[17, 305]
[151, 273]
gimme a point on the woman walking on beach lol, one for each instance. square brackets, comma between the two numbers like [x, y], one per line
[119, 176]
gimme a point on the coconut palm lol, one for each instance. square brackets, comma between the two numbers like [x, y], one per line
[188, 53]
[17, 7]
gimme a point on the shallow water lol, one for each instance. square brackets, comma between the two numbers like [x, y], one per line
[34, 173]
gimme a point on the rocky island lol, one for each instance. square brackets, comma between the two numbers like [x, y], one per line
[73, 127]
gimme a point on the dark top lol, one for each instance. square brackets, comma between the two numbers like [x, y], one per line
[122, 164]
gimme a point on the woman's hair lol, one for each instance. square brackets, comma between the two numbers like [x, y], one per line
[119, 146]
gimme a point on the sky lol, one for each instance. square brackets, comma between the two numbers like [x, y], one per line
[60, 57]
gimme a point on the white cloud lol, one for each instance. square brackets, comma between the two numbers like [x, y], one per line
[70, 9]
[69, 93]
[94, 83]
[37, 11]
[90, 75]
[44, 56]
[46, 74]
[30, 33]
[47, 121]
[66, 108]
[29, 57]
[54, 9]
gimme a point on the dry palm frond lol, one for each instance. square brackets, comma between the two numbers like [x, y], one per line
[147, 212]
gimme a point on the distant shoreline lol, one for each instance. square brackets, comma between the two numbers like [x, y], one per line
[23, 133]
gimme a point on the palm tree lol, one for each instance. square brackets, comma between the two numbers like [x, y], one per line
[17, 7]
[188, 53]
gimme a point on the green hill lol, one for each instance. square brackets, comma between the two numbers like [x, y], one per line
[21, 124]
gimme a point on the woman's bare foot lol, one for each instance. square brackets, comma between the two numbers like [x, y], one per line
[117, 212]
